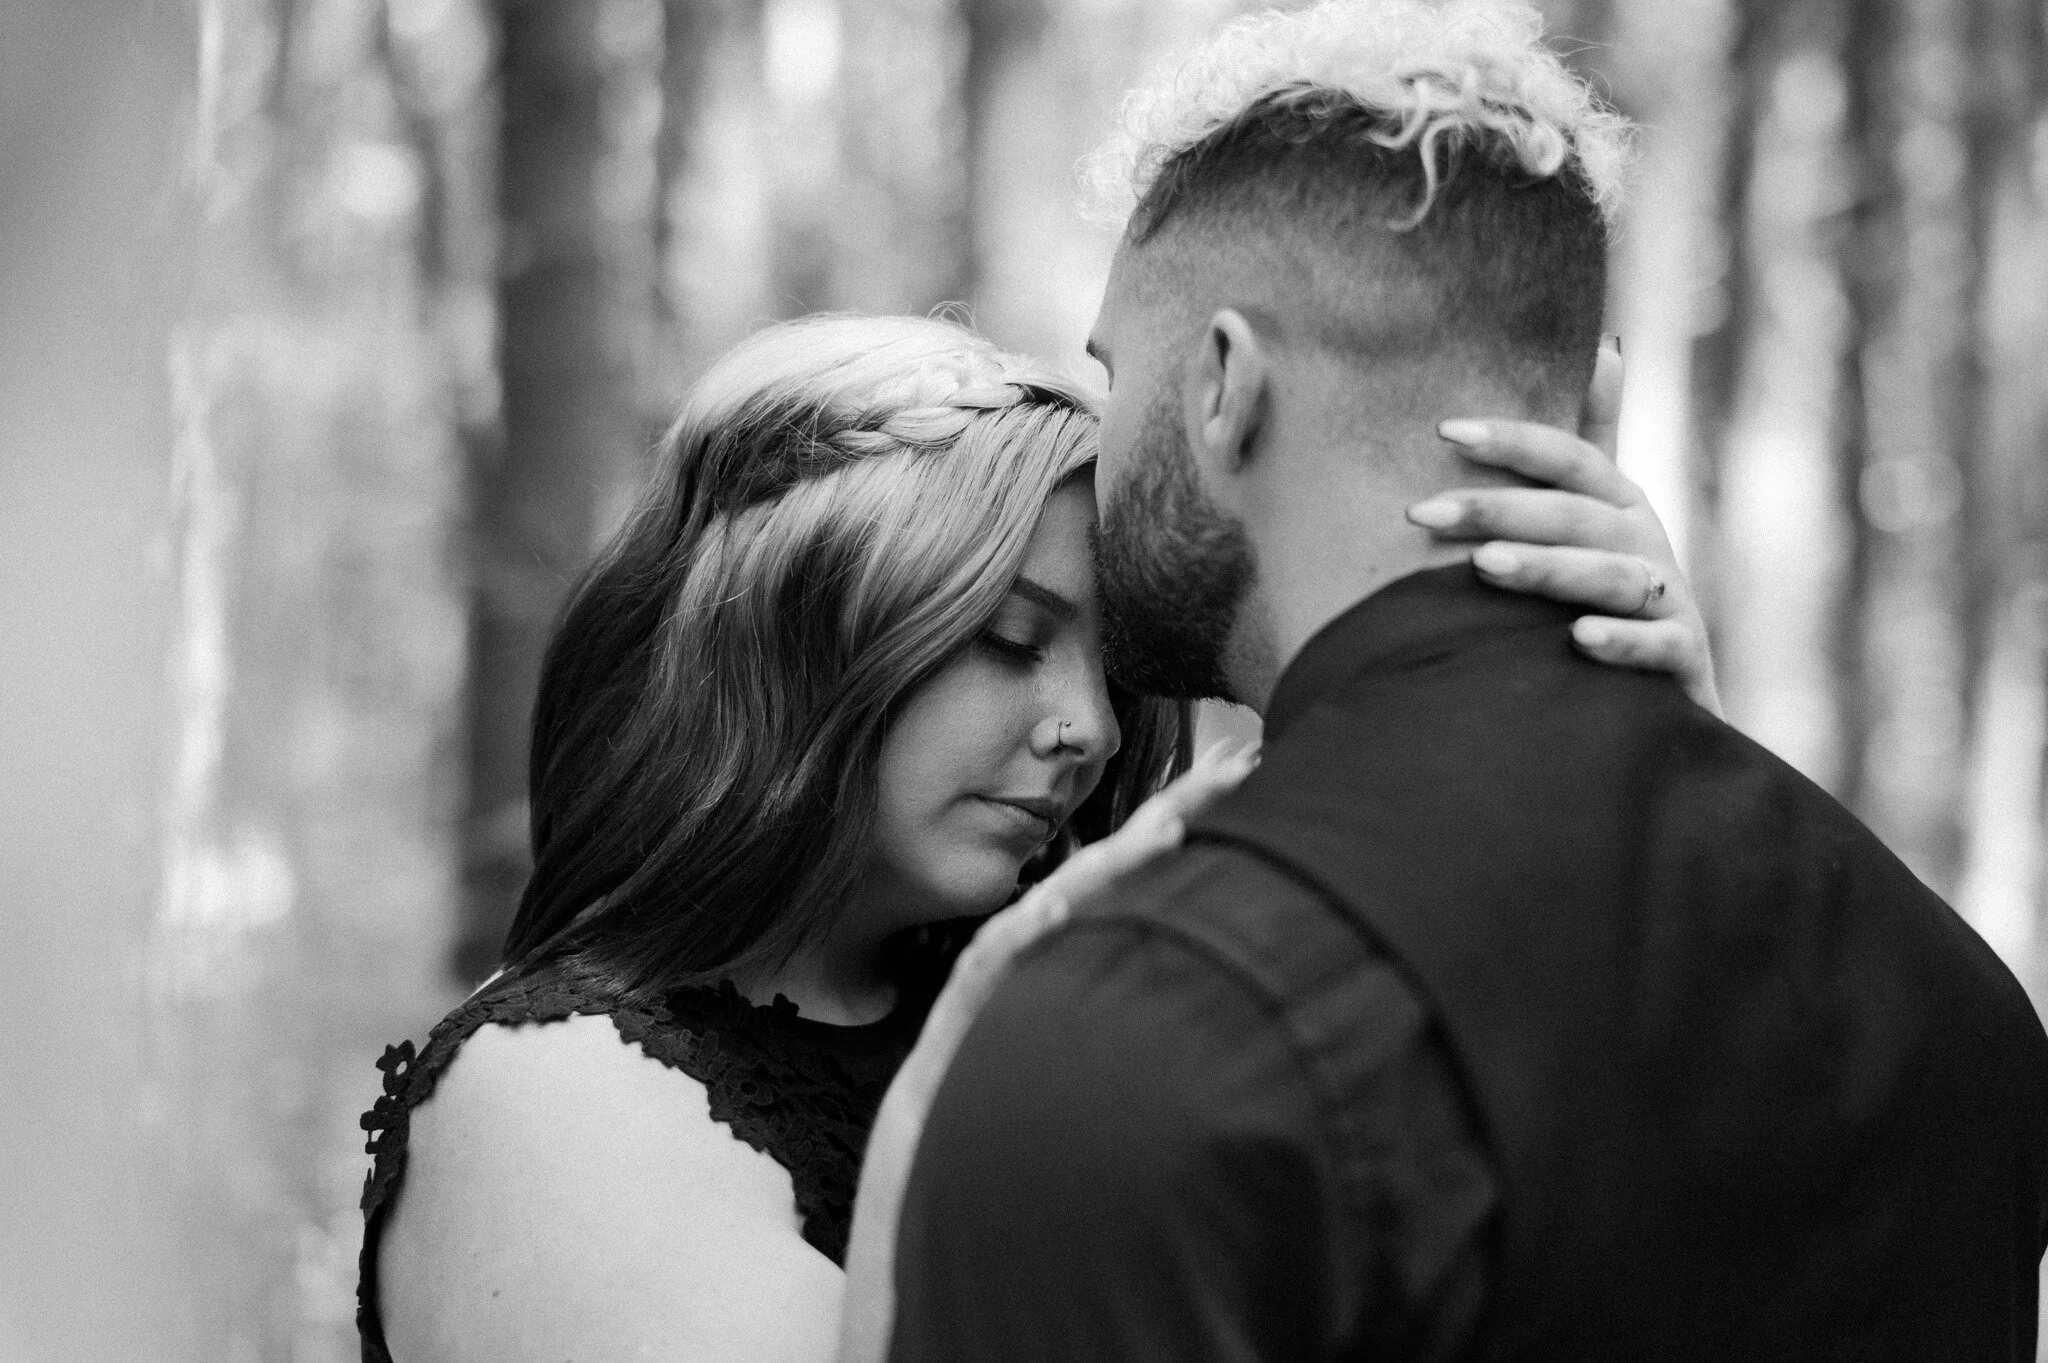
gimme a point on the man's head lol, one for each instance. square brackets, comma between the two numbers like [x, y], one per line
[1346, 218]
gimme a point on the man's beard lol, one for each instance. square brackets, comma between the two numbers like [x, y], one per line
[1175, 569]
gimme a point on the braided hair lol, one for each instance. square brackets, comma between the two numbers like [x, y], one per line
[842, 504]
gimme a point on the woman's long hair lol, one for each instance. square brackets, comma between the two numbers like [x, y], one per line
[841, 506]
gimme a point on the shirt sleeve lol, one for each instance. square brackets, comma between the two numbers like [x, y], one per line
[1134, 1156]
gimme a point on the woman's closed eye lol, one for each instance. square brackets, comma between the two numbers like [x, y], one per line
[1025, 630]
[1008, 649]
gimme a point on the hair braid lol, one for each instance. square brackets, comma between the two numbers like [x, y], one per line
[938, 424]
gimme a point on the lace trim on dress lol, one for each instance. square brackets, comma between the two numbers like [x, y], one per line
[793, 1102]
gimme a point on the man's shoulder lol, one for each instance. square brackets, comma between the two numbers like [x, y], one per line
[1553, 755]
[1210, 1055]
[1208, 878]
[1210, 887]
[1235, 919]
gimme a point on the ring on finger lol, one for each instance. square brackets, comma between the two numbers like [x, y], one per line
[1653, 589]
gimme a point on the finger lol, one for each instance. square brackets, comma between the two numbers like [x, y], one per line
[1610, 583]
[1223, 750]
[1653, 645]
[1600, 423]
[1218, 772]
[1100, 864]
[1532, 515]
[1215, 773]
[1543, 454]
[999, 940]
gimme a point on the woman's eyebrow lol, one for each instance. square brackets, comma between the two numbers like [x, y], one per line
[1045, 598]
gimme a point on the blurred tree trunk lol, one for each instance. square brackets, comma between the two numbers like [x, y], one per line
[1042, 85]
[1871, 411]
[1718, 349]
[96, 241]
[332, 357]
[582, 112]
[1770, 382]
[1866, 49]
[716, 229]
[1666, 63]
[1003, 61]
[2006, 126]
[1915, 273]
[902, 238]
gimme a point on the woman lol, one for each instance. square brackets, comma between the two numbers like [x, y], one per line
[835, 686]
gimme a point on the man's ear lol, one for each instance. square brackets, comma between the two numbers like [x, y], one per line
[1227, 392]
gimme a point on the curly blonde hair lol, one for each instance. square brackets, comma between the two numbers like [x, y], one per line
[1463, 74]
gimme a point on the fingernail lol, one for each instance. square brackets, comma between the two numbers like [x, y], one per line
[1438, 513]
[1591, 633]
[1495, 559]
[1463, 432]
[1611, 342]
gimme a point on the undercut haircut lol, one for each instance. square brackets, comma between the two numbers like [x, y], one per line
[1438, 177]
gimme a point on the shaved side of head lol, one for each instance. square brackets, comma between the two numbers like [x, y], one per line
[1344, 224]
[1297, 213]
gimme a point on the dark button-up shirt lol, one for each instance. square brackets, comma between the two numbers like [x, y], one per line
[1514, 1008]
[1209, 1122]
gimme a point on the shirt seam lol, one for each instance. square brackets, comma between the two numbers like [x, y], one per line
[1275, 1005]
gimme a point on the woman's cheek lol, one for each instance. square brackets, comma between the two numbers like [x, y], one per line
[955, 740]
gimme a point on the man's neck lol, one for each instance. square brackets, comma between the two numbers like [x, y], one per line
[1329, 532]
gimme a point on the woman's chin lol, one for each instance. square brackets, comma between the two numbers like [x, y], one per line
[969, 887]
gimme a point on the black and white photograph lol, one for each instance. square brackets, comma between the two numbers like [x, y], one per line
[1023, 681]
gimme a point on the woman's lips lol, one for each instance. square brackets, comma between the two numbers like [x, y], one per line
[1036, 819]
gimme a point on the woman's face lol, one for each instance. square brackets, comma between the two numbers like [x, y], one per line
[986, 760]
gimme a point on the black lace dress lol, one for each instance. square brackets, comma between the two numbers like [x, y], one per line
[804, 1092]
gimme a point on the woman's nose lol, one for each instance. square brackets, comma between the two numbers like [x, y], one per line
[1079, 720]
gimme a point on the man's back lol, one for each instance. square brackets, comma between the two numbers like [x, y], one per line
[1541, 1016]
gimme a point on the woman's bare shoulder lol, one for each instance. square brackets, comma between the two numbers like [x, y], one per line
[567, 1195]
[518, 1095]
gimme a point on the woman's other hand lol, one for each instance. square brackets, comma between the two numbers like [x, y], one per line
[1155, 828]
[1589, 537]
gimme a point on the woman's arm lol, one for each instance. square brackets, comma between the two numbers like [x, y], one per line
[1589, 537]
[567, 1196]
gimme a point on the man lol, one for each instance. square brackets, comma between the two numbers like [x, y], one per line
[1515, 1007]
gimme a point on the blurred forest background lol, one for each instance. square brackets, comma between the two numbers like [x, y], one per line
[337, 331]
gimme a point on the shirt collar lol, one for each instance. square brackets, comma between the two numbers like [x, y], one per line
[1423, 615]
